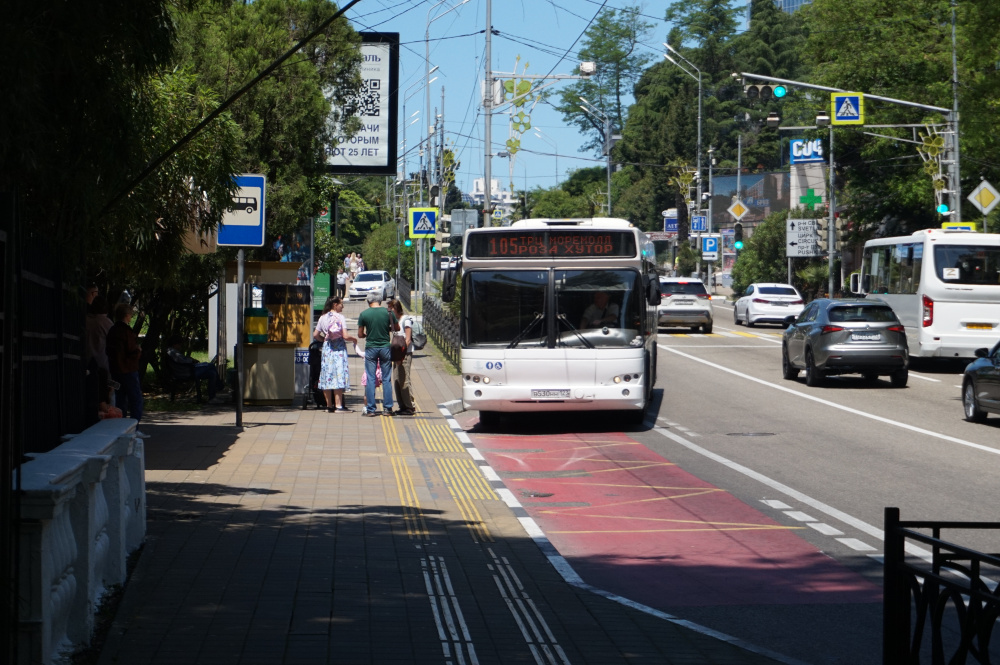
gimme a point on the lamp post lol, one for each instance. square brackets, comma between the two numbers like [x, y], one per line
[593, 111]
[697, 78]
[555, 147]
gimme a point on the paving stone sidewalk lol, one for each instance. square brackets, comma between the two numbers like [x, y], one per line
[310, 537]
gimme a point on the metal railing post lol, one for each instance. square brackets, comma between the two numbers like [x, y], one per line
[895, 596]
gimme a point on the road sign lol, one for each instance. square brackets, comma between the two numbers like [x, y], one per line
[738, 210]
[985, 197]
[423, 222]
[959, 226]
[498, 213]
[670, 224]
[699, 223]
[710, 248]
[801, 238]
[242, 223]
[847, 108]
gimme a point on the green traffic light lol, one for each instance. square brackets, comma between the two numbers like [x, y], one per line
[943, 209]
[738, 244]
[780, 91]
[408, 242]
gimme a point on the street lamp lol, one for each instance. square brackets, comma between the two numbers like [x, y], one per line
[698, 78]
[555, 147]
[592, 110]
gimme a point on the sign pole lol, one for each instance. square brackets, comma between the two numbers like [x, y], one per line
[238, 397]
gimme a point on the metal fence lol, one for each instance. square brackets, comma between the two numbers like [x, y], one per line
[442, 328]
[404, 292]
[943, 610]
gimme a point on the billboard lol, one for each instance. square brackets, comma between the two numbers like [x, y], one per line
[372, 150]
[762, 193]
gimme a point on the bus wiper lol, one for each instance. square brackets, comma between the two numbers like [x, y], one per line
[586, 342]
[521, 335]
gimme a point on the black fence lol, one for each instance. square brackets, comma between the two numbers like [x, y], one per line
[404, 291]
[938, 611]
[442, 328]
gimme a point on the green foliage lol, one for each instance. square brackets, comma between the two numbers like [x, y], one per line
[686, 261]
[380, 250]
[763, 257]
[558, 203]
[613, 43]
[814, 279]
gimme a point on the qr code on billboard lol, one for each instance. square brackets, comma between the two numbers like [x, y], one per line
[368, 99]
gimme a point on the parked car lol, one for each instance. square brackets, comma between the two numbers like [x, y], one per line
[851, 336]
[685, 302]
[367, 281]
[767, 303]
[981, 385]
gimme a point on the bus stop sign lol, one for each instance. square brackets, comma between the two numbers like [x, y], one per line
[243, 221]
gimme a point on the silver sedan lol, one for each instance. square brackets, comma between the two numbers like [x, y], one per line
[855, 336]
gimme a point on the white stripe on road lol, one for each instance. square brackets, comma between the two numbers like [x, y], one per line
[857, 412]
[925, 378]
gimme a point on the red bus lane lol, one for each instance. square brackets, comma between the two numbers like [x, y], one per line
[631, 522]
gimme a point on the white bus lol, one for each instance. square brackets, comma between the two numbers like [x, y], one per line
[558, 315]
[943, 285]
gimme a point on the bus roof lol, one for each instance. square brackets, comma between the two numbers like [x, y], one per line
[944, 236]
[548, 222]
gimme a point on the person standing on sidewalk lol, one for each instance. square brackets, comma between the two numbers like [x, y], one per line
[401, 368]
[123, 359]
[376, 325]
[334, 377]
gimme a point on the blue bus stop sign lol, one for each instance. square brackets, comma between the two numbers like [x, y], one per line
[243, 222]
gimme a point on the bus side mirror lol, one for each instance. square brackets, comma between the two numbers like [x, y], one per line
[855, 283]
[653, 295]
[448, 284]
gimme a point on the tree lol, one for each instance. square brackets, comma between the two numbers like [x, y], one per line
[611, 42]
[763, 257]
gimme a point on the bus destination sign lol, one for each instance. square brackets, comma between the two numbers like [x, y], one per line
[550, 243]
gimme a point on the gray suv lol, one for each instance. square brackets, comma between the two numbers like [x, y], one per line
[685, 303]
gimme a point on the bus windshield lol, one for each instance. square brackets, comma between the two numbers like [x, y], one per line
[591, 308]
[967, 264]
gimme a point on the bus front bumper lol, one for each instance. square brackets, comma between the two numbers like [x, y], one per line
[512, 399]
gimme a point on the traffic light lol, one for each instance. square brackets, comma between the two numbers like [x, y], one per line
[823, 234]
[840, 225]
[433, 245]
[764, 92]
[408, 242]
[738, 236]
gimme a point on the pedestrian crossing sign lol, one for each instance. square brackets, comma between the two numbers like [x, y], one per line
[423, 222]
[847, 108]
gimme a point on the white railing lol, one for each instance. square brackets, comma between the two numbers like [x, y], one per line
[83, 511]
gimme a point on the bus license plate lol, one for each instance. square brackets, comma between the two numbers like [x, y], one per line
[865, 337]
[978, 326]
[551, 392]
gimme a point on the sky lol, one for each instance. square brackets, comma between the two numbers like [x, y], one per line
[546, 34]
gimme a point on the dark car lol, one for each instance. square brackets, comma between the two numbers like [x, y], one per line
[855, 336]
[981, 385]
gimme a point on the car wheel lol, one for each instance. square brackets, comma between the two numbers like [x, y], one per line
[707, 328]
[814, 377]
[750, 324]
[736, 317]
[972, 411]
[899, 378]
[788, 370]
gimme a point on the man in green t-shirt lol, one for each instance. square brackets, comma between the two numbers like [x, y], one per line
[376, 325]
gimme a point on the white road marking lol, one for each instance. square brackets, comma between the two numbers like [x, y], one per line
[800, 516]
[777, 505]
[720, 346]
[856, 544]
[857, 412]
[826, 529]
[925, 378]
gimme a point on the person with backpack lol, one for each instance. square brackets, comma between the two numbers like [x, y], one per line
[401, 367]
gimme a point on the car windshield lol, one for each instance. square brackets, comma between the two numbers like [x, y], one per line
[510, 308]
[368, 277]
[687, 288]
[777, 291]
[967, 264]
[863, 313]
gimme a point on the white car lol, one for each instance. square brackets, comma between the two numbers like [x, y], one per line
[767, 303]
[685, 302]
[368, 281]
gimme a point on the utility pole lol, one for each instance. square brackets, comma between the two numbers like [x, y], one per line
[488, 113]
[955, 172]
[831, 233]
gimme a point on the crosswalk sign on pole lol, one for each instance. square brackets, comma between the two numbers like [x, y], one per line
[847, 108]
[423, 222]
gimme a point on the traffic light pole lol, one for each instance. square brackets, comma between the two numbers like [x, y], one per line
[831, 231]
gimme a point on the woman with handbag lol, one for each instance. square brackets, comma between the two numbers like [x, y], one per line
[401, 374]
[334, 375]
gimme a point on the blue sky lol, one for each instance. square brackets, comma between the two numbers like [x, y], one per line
[547, 34]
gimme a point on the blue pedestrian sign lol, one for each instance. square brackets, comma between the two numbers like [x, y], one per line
[847, 108]
[423, 222]
[699, 223]
[242, 223]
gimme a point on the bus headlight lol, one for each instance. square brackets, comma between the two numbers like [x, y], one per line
[628, 377]
[617, 379]
[486, 379]
[475, 378]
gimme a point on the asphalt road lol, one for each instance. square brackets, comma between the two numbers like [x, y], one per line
[805, 473]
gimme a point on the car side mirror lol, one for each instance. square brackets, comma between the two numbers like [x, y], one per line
[789, 320]
[982, 353]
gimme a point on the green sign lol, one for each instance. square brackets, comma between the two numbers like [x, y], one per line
[321, 289]
[326, 215]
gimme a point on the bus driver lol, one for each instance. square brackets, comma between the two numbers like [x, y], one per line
[601, 312]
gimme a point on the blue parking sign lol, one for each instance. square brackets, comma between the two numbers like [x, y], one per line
[709, 244]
